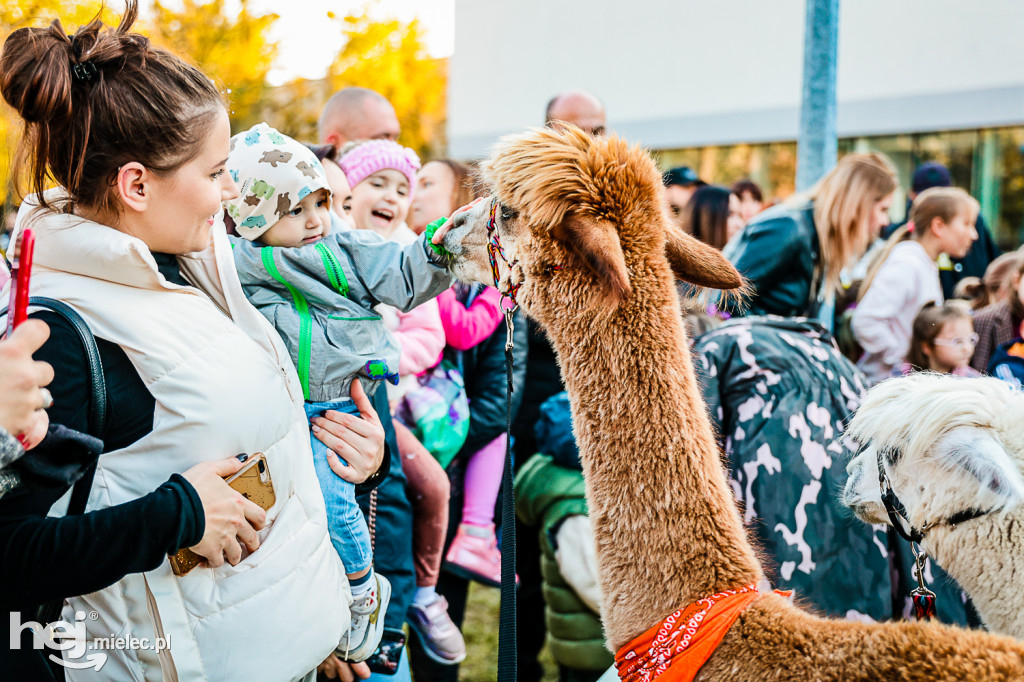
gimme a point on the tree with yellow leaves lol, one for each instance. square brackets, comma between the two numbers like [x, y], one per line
[15, 14]
[233, 49]
[390, 56]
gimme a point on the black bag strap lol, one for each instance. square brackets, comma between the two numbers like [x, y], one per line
[98, 403]
[49, 612]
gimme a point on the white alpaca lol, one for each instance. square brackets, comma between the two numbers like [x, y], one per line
[952, 448]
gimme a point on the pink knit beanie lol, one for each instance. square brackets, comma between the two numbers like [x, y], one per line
[376, 155]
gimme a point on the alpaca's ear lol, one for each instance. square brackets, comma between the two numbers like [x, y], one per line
[990, 468]
[698, 263]
[596, 242]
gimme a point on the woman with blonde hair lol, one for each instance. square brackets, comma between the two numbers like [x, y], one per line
[794, 254]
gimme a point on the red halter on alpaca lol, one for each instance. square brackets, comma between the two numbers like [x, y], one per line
[494, 250]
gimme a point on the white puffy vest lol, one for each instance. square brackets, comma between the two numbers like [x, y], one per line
[223, 384]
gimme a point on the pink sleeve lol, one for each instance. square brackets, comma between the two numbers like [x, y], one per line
[466, 327]
[422, 338]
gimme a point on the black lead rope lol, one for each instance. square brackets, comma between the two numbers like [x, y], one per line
[507, 664]
[922, 598]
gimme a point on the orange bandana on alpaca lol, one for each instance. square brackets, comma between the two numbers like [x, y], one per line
[675, 649]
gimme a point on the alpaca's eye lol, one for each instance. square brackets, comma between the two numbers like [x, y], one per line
[507, 213]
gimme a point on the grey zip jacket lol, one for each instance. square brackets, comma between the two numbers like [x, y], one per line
[320, 298]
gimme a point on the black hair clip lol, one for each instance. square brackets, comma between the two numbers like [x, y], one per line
[85, 72]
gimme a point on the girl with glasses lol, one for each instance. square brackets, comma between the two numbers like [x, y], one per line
[942, 340]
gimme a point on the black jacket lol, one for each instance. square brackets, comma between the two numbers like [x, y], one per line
[483, 368]
[543, 380]
[778, 252]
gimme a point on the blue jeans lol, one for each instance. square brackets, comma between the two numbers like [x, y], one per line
[345, 521]
[392, 553]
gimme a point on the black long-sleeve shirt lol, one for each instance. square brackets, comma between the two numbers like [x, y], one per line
[45, 558]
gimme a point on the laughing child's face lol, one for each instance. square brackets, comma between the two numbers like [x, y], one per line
[380, 202]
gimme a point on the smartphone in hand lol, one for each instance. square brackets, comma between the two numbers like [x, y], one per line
[253, 481]
[386, 658]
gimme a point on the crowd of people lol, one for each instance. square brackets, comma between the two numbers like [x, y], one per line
[254, 302]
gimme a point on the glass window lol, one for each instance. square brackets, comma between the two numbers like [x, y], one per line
[1008, 228]
[988, 163]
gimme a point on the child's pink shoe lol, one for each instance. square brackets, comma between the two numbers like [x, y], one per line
[474, 555]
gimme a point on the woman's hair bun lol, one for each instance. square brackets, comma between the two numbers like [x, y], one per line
[39, 67]
[35, 72]
[93, 101]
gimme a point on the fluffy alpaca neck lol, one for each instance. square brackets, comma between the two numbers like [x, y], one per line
[986, 557]
[666, 528]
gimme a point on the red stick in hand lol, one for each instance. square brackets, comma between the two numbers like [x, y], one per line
[21, 271]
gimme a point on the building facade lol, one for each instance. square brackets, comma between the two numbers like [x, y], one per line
[716, 85]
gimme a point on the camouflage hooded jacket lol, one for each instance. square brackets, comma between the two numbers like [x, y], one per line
[779, 394]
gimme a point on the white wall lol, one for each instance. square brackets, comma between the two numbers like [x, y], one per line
[680, 73]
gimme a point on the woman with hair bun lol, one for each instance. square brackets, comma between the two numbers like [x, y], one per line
[793, 254]
[131, 239]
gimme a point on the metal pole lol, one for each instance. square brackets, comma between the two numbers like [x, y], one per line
[817, 144]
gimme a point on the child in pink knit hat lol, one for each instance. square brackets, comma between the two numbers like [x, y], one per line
[382, 175]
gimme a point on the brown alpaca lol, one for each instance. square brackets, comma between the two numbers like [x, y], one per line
[581, 220]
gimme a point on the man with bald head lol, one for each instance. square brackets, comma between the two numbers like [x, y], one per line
[357, 114]
[579, 108]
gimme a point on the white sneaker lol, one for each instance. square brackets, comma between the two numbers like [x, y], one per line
[367, 624]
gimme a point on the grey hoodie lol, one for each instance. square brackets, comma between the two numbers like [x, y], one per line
[320, 298]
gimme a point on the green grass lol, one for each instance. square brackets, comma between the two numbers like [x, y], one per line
[480, 629]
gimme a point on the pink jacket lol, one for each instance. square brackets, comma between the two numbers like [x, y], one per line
[422, 338]
[466, 327]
